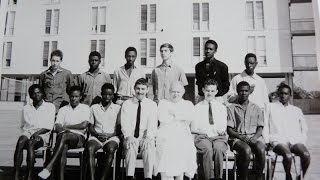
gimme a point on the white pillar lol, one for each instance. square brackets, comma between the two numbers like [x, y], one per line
[316, 14]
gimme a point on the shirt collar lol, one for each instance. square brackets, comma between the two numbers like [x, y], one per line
[280, 104]
[236, 103]
[168, 64]
[124, 67]
[110, 107]
[31, 103]
[135, 100]
[213, 101]
[254, 75]
[89, 73]
[58, 70]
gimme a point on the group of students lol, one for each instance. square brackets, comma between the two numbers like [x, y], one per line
[168, 131]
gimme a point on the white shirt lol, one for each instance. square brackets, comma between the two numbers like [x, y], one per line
[287, 124]
[259, 95]
[104, 120]
[123, 83]
[148, 118]
[36, 119]
[201, 123]
[72, 116]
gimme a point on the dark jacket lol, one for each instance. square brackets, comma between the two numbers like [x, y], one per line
[217, 70]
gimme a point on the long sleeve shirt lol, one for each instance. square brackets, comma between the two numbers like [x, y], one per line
[148, 118]
[287, 124]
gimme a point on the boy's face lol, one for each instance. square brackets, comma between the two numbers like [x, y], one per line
[284, 95]
[251, 64]
[210, 92]
[94, 62]
[243, 92]
[55, 62]
[75, 97]
[107, 95]
[209, 50]
[131, 57]
[36, 95]
[165, 53]
[141, 91]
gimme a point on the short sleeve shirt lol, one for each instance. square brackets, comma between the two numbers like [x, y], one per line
[104, 120]
[72, 116]
[245, 122]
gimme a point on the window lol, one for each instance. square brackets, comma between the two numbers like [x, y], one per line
[52, 1]
[100, 46]
[47, 46]
[98, 19]
[257, 45]
[148, 58]
[9, 24]
[255, 15]
[7, 49]
[200, 13]
[151, 17]
[198, 44]
[52, 22]
[12, 2]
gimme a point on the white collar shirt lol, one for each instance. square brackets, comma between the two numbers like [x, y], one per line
[104, 120]
[72, 116]
[36, 119]
[201, 123]
[124, 83]
[148, 118]
[259, 95]
[287, 124]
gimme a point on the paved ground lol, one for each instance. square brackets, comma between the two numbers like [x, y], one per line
[9, 131]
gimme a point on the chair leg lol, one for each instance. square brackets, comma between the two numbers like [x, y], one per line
[235, 167]
[114, 165]
[81, 164]
[274, 167]
[227, 174]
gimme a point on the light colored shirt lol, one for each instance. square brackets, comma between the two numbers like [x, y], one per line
[91, 86]
[162, 77]
[287, 124]
[36, 119]
[201, 123]
[104, 120]
[168, 111]
[124, 84]
[245, 122]
[148, 118]
[72, 116]
[259, 95]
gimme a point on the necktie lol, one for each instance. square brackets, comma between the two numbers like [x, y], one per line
[136, 131]
[210, 114]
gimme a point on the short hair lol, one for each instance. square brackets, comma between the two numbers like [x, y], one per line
[177, 83]
[33, 87]
[210, 81]
[210, 41]
[95, 53]
[167, 45]
[56, 52]
[107, 86]
[75, 88]
[130, 49]
[242, 83]
[249, 55]
[282, 86]
[141, 81]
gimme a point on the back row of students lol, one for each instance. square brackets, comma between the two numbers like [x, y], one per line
[245, 121]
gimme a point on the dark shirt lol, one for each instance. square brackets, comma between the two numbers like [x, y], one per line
[56, 87]
[213, 69]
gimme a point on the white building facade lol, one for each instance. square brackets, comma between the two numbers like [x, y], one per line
[32, 29]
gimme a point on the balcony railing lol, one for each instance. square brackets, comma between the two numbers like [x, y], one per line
[300, 1]
[305, 62]
[302, 26]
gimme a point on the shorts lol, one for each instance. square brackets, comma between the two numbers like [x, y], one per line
[113, 138]
[45, 137]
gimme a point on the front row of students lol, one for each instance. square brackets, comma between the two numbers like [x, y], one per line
[170, 149]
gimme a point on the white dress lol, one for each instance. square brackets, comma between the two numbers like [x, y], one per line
[175, 150]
